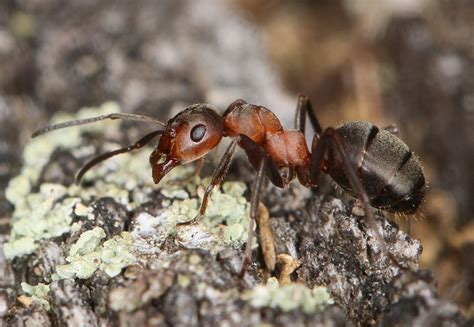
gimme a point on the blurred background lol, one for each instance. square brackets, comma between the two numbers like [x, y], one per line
[403, 62]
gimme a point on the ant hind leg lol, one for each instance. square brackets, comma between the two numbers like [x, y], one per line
[303, 108]
[319, 150]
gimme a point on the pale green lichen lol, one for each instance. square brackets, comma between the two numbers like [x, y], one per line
[224, 224]
[19, 246]
[41, 216]
[87, 242]
[176, 194]
[86, 256]
[116, 254]
[47, 214]
[127, 179]
[22, 24]
[288, 297]
[228, 214]
[183, 280]
[38, 293]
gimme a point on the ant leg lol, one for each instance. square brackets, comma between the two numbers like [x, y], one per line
[303, 108]
[330, 134]
[254, 153]
[216, 179]
[254, 201]
[319, 147]
[137, 145]
[197, 171]
[300, 114]
[393, 129]
[124, 116]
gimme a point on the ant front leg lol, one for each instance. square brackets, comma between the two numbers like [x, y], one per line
[197, 173]
[216, 179]
[318, 152]
[137, 145]
[198, 168]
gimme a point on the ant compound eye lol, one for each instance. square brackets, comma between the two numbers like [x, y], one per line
[198, 132]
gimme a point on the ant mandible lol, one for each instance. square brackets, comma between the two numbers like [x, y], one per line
[370, 163]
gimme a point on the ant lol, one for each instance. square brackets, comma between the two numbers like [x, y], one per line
[370, 163]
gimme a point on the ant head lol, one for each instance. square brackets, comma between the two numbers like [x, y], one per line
[188, 136]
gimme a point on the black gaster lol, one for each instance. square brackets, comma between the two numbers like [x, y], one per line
[391, 175]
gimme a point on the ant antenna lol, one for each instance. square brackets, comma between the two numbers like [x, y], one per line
[124, 116]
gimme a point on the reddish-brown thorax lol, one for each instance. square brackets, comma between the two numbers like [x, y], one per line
[287, 147]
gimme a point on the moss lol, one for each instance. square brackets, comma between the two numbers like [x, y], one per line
[37, 293]
[289, 297]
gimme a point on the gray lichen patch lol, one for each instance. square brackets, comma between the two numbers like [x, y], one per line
[87, 255]
[225, 223]
[39, 216]
[46, 214]
[38, 293]
[288, 297]
[126, 179]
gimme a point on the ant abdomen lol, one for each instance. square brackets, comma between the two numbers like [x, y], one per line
[391, 174]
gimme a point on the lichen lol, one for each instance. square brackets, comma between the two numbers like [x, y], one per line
[224, 224]
[37, 293]
[22, 25]
[288, 297]
[86, 256]
[116, 254]
[42, 215]
[127, 179]
[46, 214]
[87, 242]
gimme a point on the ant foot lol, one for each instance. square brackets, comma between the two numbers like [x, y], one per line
[190, 222]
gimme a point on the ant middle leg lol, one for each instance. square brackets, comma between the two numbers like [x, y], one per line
[216, 179]
[96, 160]
[318, 152]
[254, 211]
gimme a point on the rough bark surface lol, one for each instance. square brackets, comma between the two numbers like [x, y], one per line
[155, 71]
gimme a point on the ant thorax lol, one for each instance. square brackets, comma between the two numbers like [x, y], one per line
[286, 147]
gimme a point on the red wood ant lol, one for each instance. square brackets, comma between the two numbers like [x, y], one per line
[370, 163]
